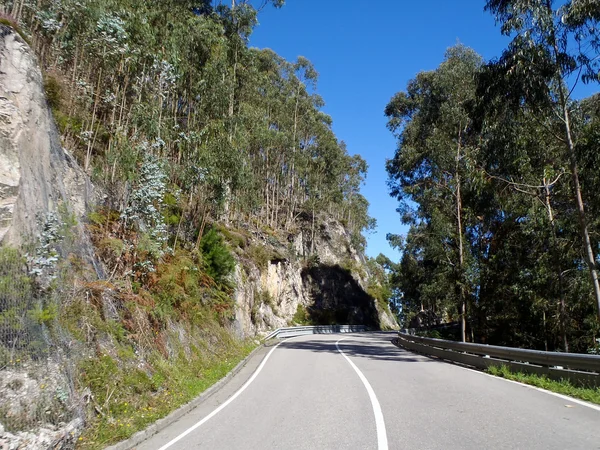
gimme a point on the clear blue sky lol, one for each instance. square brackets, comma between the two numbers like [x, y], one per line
[365, 51]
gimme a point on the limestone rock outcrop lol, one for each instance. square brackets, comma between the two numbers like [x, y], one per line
[268, 297]
[37, 175]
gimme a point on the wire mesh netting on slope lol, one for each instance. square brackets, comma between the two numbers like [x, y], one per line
[39, 405]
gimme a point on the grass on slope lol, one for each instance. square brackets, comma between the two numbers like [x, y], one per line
[131, 400]
[564, 387]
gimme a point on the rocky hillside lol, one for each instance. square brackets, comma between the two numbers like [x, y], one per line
[101, 330]
[286, 283]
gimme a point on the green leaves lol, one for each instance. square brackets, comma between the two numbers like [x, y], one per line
[218, 261]
[484, 157]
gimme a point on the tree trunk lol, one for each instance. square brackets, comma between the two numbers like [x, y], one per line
[88, 155]
[461, 287]
[561, 297]
[587, 243]
[293, 164]
[312, 232]
[566, 118]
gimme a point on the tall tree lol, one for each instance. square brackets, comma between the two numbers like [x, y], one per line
[552, 46]
[432, 161]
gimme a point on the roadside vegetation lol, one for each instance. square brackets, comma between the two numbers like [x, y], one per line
[496, 174]
[129, 399]
[564, 387]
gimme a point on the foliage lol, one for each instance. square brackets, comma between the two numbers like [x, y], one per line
[54, 93]
[263, 254]
[429, 175]
[236, 238]
[301, 316]
[129, 398]
[238, 132]
[218, 261]
[484, 180]
[379, 286]
[146, 202]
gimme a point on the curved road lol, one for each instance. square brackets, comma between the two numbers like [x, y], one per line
[313, 392]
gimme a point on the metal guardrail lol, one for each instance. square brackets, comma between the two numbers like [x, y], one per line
[581, 369]
[320, 329]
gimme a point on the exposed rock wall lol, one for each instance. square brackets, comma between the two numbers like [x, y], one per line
[36, 174]
[268, 297]
[40, 184]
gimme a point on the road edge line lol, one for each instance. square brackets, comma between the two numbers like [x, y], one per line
[224, 404]
[382, 442]
[159, 425]
[555, 394]
[481, 372]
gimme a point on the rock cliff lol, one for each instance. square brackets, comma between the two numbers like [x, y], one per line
[37, 176]
[286, 287]
[41, 186]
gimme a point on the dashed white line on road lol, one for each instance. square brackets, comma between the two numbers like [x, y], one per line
[382, 443]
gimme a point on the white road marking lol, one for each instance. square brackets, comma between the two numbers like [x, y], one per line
[229, 400]
[555, 394]
[382, 443]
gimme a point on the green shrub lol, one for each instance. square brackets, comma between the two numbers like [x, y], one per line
[172, 212]
[301, 316]
[45, 315]
[218, 261]
[66, 122]
[381, 294]
[97, 218]
[313, 261]
[112, 246]
[260, 255]
[53, 92]
[264, 297]
[235, 238]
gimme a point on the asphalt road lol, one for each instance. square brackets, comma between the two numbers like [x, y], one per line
[313, 392]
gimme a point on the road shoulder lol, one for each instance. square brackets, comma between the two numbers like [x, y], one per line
[230, 383]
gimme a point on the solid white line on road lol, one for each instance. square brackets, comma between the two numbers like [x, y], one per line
[529, 386]
[382, 443]
[555, 394]
[229, 400]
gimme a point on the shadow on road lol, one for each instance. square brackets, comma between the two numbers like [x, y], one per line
[375, 349]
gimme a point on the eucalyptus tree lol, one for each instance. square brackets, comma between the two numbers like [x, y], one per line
[526, 170]
[431, 121]
[554, 44]
[240, 131]
[301, 76]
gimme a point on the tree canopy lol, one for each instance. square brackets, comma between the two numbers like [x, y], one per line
[493, 175]
[238, 131]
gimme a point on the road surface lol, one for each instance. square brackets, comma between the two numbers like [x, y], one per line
[359, 391]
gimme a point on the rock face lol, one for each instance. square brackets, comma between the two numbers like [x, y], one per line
[321, 287]
[52, 437]
[36, 175]
[40, 184]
